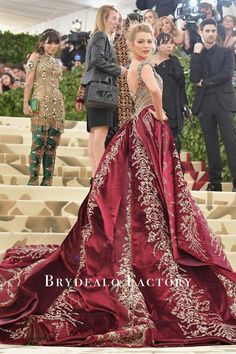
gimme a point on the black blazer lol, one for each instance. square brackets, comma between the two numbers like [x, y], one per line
[220, 81]
[163, 7]
[100, 59]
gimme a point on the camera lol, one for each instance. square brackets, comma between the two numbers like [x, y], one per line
[188, 10]
[78, 39]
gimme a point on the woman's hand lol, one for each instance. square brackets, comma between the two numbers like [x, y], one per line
[79, 107]
[162, 118]
[124, 70]
[27, 109]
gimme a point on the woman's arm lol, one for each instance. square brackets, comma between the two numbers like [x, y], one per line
[98, 58]
[29, 82]
[147, 76]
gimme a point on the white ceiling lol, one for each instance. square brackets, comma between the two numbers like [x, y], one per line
[18, 15]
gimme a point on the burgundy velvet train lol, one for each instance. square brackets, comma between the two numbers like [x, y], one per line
[139, 268]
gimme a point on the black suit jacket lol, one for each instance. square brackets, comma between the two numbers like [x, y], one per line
[100, 59]
[163, 7]
[220, 81]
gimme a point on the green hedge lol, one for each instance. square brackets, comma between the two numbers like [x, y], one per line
[14, 47]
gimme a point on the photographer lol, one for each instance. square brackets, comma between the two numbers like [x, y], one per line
[75, 50]
[192, 17]
[162, 7]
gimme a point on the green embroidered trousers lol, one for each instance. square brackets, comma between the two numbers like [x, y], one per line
[43, 149]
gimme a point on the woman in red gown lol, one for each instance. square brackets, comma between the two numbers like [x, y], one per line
[140, 267]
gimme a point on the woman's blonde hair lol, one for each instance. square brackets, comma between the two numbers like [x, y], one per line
[174, 30]
[155, 27]
[101, 17]
[136, 28]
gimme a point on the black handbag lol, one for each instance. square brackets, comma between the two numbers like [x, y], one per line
[102, 94]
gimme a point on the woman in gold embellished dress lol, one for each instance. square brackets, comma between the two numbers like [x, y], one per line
[43, 73]
[140, 267]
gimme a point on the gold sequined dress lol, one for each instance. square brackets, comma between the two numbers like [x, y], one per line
[46, 88]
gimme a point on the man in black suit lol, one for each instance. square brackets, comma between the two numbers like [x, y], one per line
[162, 7]
[211, 69]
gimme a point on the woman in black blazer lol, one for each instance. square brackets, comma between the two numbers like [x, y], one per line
[100, 60]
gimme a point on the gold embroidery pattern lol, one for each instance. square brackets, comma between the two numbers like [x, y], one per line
[231, 291]
[190, 214]
[195, 317]
[95, 190]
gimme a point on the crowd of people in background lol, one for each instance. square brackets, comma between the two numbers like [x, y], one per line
[176, 33]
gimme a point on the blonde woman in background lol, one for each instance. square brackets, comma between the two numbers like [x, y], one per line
[165, 24]
[151, 17]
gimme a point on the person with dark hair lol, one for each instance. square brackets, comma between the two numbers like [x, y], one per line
[162, 7]
[210, 12]
[75, 49]
[132, 18]
[174, 96]
[47, 116]
[6, 82]
[211, 69]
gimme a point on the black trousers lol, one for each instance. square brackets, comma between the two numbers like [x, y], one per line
[212, 116]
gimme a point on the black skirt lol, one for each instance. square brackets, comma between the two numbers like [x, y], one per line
[97, 117]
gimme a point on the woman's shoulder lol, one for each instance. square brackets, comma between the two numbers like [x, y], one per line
[97, 35]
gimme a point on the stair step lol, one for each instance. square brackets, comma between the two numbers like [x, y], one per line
[26, 122]
[228, 242]
[61, 151]
[22, 159]
[11, 239]
[27, 140]
[38, 208]
[24, 131]
[224, 212]
[214, 198]
[231, 256]
[57, 181]
[16, 169]
[52, 193]
[42, 224]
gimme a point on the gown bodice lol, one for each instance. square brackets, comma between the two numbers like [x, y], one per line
[142, 97]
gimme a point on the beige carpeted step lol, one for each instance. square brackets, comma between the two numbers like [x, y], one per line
[61, 150]
[24, 131]
[219, 211]
[16, 169]
[57, 180]
[25, 223]
[228, 242]
[11, 239]
[39, 208]
[232, 259]
[27, 139]
[22, 159]
[214, 198]
[77, 194]
[26, 122]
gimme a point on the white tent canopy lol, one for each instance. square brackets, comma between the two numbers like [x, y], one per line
[34, 16]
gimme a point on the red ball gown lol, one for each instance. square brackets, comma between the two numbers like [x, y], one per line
[140, 267]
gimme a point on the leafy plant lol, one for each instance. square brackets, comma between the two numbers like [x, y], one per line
[14, 47]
